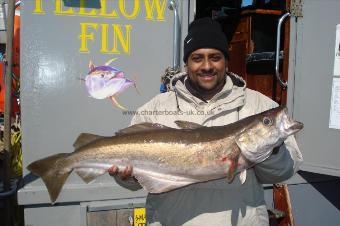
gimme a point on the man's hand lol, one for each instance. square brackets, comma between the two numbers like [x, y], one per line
[124, 175]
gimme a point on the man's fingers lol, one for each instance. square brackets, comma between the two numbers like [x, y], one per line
[113, 170]
[126, 173]
[128, 169]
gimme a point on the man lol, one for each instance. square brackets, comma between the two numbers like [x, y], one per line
[209, 95]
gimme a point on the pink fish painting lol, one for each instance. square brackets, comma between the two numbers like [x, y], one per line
[106, 82]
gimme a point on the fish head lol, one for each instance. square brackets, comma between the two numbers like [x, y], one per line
[101, 90]
[274, 125]
[264, 132]
[105, 81]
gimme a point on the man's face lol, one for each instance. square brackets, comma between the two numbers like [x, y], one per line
[206, 68]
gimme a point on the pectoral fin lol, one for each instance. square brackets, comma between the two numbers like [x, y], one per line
[157, 182]
[89, 174]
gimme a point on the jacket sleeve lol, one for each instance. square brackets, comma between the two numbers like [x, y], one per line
[281, 165]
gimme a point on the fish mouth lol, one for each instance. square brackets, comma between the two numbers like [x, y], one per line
[291, 126]
[296, 126]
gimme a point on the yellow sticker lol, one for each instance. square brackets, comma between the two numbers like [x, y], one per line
[139, 217]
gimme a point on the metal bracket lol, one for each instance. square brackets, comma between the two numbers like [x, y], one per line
[296, 8]
[174, 5]
[277, 63]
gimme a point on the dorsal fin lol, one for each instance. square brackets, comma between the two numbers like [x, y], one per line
[110, 61]
[187, 125]
[145, 126]
[91, 65]
[85, 138]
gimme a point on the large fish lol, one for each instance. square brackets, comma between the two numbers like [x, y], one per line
[165, 158]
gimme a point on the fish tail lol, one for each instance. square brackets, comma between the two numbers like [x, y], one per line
[53, 172]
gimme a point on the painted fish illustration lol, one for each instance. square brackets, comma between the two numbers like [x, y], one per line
[106, 82]
[165, 158]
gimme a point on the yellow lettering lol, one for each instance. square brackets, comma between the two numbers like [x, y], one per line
[84, 37]
[105, 28]
[103, 12]
[59, 9]
[150, 8]
[82, 9]
[118, 36]
[38, 7]
[123, 10]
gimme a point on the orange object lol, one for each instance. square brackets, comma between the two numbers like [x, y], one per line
[16, 67]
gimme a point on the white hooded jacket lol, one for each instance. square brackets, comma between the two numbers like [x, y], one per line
[215, 202]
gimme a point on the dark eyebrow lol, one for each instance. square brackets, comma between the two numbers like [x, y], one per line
[216, 54]
[197, 54]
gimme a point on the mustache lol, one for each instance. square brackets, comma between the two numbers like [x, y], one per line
[207, 73]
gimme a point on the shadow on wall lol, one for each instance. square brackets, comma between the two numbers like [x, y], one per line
[328, 186]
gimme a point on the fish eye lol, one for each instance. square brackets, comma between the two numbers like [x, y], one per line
[102, 75]
[267, 121]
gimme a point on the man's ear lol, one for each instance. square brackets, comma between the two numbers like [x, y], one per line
[186, 68]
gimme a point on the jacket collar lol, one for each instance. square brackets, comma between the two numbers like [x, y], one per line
[231, 96]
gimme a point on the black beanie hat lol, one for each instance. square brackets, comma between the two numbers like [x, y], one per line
[205, 33]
